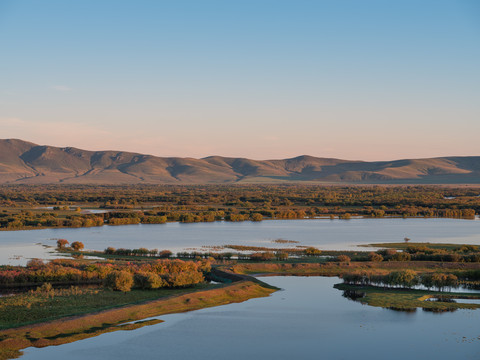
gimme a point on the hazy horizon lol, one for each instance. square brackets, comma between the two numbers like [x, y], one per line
[266, 79]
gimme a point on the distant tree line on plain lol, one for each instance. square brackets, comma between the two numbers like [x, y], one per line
[268, 195]
[156, 204]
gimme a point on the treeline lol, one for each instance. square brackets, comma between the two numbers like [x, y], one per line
[403, 279]
[461, 254]
[164, 273]
[242, 195]
[256, 256]
[259, 254]
[138, 252]
[29, 219]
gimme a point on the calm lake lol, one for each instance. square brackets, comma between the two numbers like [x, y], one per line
[16, 247]
[309, 319]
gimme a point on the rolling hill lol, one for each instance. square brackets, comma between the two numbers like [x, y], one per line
[23, 162]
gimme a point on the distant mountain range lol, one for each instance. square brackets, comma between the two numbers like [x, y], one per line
[23, 162]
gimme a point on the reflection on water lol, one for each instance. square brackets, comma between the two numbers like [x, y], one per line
[322, 233]
[307, 320]
[353, 294]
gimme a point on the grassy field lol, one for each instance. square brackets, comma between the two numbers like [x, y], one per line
[32, 307]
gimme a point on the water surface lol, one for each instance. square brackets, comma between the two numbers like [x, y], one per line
[307, 320]
[323, 233]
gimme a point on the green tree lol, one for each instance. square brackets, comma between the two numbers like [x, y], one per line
[109, 251]
[375, 257]
[148, 280]
[77, 246]
[119, 280]
[61, 243]
[405, 278]
[263, 256]
[165, 254]
[402, 256]
[35, 263]
[311, 251]
[257, 217]
[343, 259]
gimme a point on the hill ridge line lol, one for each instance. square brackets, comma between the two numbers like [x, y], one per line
[23, 162]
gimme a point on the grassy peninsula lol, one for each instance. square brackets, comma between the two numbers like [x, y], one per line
[75, 328]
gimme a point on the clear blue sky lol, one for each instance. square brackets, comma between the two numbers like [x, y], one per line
[371, 80]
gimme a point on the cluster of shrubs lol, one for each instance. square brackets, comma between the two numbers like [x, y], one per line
[56, 271]
[123, 221]
[464, 253]
[29, 219]
[136, 217]
[343, 258]
[76, 245]
[267, 255]
[403, 278]
[159, 273]
[393, 255]
[160, 217]
[256, 256]
[260, 254]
